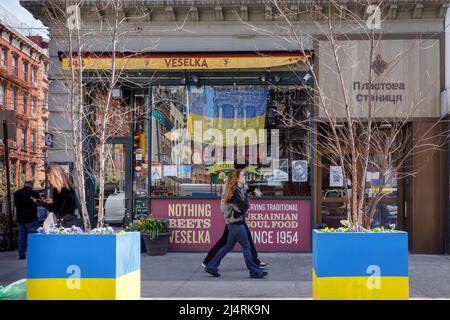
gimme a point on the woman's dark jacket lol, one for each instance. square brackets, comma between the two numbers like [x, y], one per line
[64, 202]
[237, 207]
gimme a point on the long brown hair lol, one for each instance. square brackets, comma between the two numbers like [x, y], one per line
[58, 178]
[231, 185]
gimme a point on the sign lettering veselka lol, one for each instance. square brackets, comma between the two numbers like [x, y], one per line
[183, 61]
[186, 62]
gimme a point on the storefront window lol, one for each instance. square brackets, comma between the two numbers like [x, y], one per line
[381, 186]
[381, 179]
[385, 215]
[201, 133]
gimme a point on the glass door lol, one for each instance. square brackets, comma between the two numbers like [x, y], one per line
[118, 180]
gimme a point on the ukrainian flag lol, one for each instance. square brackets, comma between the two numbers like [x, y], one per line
[242, 110]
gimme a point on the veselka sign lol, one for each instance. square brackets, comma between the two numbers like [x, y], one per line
[185, 61]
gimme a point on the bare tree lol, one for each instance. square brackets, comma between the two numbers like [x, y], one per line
[95, 114]
[358, 138]
[66, 28]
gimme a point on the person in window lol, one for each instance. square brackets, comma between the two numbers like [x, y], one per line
[64, 201]
[235, 202]
[223, 241]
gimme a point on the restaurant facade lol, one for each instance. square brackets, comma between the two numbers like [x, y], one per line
[207, 84]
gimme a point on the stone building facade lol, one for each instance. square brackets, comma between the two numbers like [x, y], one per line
[177, 48]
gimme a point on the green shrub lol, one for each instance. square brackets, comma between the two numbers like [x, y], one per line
[150, 226]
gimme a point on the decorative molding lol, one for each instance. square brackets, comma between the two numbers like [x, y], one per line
[392, 11]
[219, 13]
[418, 10]
[213, 10]
[145, 11]
[170, 14]
[343, 11]
[318, 11]
[268, 13]
[295, 12]
[442, 10]
[102, 14]
[193, 13]
[244, 13]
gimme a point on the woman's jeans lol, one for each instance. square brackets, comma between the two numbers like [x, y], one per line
[223, 241]
[236, 233]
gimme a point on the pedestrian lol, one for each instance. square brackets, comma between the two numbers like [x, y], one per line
[25, 201]
[64, 200]
[223, 241]
[235, 202]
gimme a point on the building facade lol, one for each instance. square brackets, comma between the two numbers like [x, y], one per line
[24, 89]
[219, 65]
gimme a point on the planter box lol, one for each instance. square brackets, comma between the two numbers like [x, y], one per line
[84, 266]
[360, 265]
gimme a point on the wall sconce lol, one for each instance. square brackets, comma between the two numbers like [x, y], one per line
[189, 79]
[270, 77]
[194, 78]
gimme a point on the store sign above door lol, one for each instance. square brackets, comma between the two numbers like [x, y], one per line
[186, 61]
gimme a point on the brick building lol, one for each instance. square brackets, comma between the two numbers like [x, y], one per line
[24, 88]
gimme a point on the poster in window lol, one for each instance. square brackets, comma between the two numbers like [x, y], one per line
[280, 170]
[336, 176]
[156, 173]
[185, 171]
[170, 171]
[300, 171]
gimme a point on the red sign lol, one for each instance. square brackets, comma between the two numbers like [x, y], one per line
[276, 225]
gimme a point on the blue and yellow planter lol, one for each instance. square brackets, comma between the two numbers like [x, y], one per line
[360, 265]
[84, 266]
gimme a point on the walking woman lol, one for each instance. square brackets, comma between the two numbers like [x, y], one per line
[236, 204]
[223, 241]
[64, 201]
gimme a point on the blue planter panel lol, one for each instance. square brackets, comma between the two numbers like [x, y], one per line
[84, 266]
[351, 254]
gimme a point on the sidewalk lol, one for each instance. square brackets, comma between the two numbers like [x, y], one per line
[179, 275]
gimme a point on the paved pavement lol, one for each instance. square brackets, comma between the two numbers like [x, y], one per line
[179, 275]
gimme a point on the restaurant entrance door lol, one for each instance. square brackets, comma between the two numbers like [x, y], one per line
[118, 183]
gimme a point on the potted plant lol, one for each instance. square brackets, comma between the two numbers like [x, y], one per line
[70, 264]
[360, 263]
[155, 232]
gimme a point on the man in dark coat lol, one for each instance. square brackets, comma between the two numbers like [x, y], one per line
[26, 208]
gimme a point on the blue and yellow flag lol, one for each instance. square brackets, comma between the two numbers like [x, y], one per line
[242, 110]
